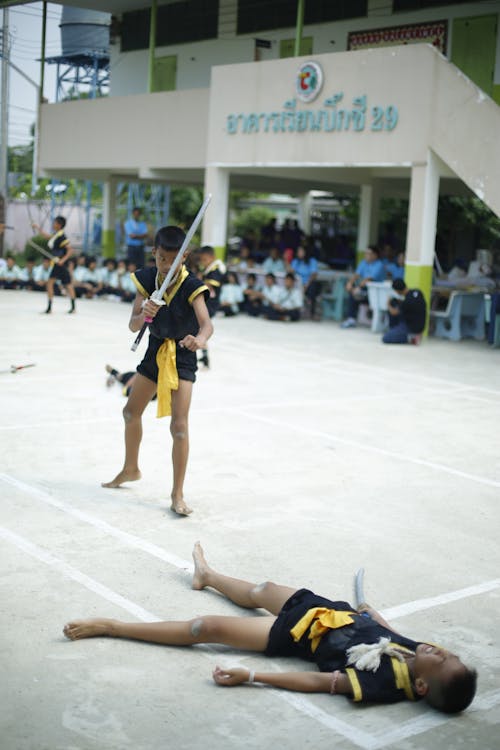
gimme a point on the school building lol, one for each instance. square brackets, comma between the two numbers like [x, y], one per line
[387, 97]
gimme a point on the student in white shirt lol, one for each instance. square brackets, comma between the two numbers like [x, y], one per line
[231, 295]
[290, 300]
[273, 263]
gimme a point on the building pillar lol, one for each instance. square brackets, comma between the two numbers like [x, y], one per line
[215, 222]
[368, 218]
[109, 218]
[422, 219]
[304, 213]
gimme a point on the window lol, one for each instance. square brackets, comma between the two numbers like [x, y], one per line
[262, 15]
[176, 23]
[401, 5]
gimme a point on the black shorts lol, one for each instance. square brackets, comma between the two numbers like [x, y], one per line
[60, 273]
[280, 641]
[186, 362]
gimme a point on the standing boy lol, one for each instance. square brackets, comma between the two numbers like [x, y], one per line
[212, 272]
[181, 325]
[136, 231]
[62, 251]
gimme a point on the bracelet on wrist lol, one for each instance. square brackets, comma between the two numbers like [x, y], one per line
[251, 676]
[335, 678]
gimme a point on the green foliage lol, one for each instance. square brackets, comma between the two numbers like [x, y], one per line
[31, 253]
[20, 159]
[184, 205]
[252, 220]
[458, 214]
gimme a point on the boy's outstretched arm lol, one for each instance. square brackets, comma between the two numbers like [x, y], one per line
[302, 682]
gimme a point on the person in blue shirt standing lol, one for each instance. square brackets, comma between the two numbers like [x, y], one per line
[136, 232]
[370, 268]
[306, 268]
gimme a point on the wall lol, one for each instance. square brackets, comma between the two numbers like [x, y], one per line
[119, 134]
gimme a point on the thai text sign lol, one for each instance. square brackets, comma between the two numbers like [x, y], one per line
[333, 117]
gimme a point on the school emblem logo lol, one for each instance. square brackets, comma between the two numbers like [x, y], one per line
[308, 81]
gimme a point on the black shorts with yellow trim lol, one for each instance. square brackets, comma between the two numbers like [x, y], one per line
[280, 641]
[60, 273]
[186, 362]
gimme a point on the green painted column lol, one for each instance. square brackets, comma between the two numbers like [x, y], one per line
[299, 28]
[108, 218]
[152, 45]
[108, 243]
[220, 252]
[422, 219]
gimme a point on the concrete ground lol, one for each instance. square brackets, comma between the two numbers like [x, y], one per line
[314, 451]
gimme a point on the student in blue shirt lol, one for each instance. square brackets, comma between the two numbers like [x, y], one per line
[306, 268]
[396, 269]
[370, 268]
[136, 232]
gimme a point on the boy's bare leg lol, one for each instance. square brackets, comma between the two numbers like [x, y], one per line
[181, 401]
[142, 392]
[270, 596]
[251, 633]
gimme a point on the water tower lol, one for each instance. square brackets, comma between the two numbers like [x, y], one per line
[83, 66]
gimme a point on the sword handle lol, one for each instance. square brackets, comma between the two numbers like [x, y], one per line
[139, 336]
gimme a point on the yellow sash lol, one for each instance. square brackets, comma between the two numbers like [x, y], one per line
[324, 620]
[168, 379]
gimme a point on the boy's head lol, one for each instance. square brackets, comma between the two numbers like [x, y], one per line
[399, 286]
[290, 280]
[372, 253]
[251, 279]
[270, 279]
[10, 261]
[168, 240]
[206, 255]
[442, 679]
[59, 223]
[110, 264]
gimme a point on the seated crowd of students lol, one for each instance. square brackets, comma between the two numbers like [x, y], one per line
[89, 280]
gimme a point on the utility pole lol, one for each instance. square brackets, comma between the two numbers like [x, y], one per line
[4, 121]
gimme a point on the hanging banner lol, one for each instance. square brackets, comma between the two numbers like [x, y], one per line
[434, 33]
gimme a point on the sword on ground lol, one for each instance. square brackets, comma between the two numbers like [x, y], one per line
[157, 295]
[16, 368]
[359, 594]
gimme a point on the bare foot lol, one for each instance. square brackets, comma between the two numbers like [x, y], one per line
[180, 507]
[201, 568]
[87, 628]
[126, 475]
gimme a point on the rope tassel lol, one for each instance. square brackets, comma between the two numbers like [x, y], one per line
[366, 656]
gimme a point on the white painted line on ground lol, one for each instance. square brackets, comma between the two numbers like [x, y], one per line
[436, 601]
[430, 721]
[402, 610]
[314, 359]
[123, 536]
[67, 570]
[367, 447]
